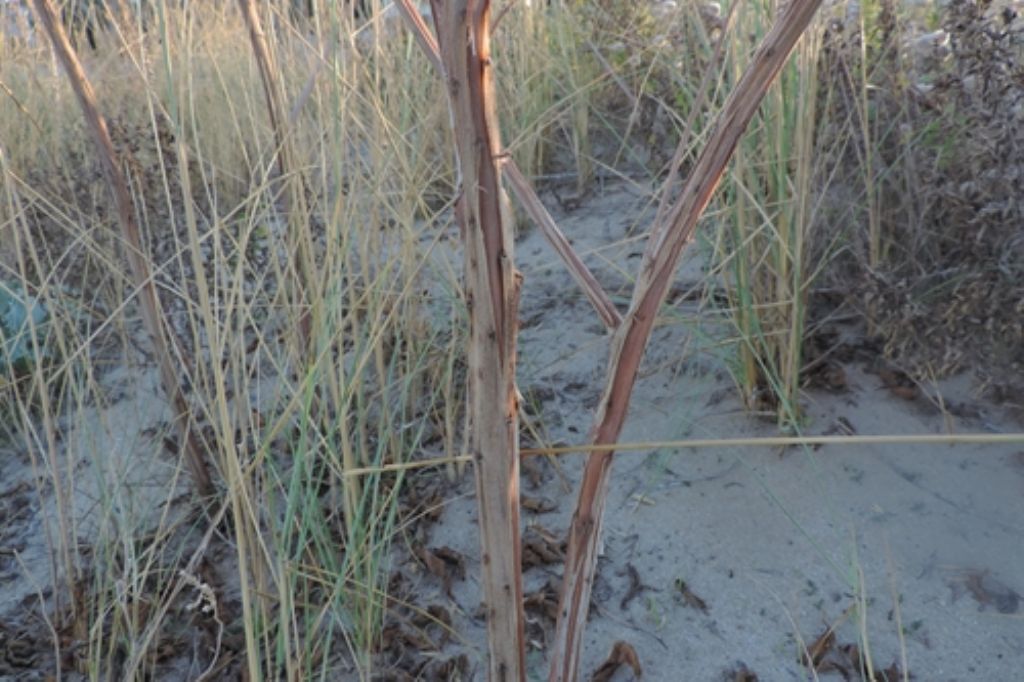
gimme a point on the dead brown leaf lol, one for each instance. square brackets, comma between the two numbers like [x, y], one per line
[898, 383]
[533, 469]
[905, 392]
[398, 638]
[740, 674]
[454, 559]
[987, 591]
[690, 597]
[821, 647]
[433, 563]
[440, 614]
[541, 548]
[636, 587]
[544, 601]
[825, 655]
[829, 376]
[424, 501]
[891, 674]
[434, 616]
[538, 505]
[452, 669]
[444, 563]
[621, 654]
[851, 652]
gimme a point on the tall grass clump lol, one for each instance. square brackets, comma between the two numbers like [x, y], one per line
[608, 92]
[284, 572]
[764, 250]
[551, 94]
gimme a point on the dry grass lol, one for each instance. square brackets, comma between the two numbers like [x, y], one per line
[303, 577]
[931, 99]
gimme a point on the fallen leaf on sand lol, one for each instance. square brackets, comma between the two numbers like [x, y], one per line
[621, 654]
[434, 616]
[541, 548]
[821, 647]
[533, 471]
[690, 597]
[826, 655]
[538, 505]
[543, 601]
[987, 591]
[449, 670]
[740, 674]
[636, 587]
[397, 638]
[444, 563]
[899, 383]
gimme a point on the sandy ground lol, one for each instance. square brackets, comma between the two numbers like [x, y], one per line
[718, 560]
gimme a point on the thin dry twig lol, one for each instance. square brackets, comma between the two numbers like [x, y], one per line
[788, 441]
[661, 258]
[420, 32]
[577, 268]
[707, 443]
[142, 277]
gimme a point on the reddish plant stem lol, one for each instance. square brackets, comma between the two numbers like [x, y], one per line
[661, 259]
[142, 277]
[525, 193]
[289, 182]
[549, 228]
[492, 287]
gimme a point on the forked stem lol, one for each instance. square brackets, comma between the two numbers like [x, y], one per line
[661, 259]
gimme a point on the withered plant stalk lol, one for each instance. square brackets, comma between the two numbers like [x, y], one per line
[142, 277]
[492, 287]
[661, 259]
[289, 184]
[464, 44]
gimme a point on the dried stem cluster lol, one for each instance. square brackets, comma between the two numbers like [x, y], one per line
[464, 37]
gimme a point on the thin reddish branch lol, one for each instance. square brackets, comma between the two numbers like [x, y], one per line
[265, 65]
[660, 261]
[420, 32]
[149, 304]
[577, 268]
